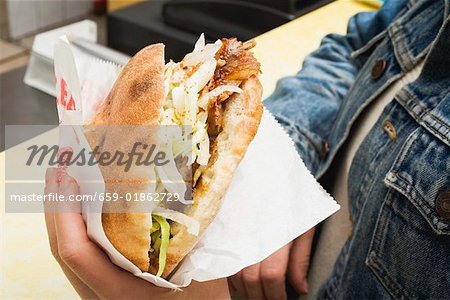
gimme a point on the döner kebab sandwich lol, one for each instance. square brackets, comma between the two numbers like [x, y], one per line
[215, 90]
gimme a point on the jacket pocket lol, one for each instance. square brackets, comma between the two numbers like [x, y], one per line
[410, 248]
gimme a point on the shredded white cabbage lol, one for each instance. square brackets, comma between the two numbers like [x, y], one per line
[200, 44]
[199, 56]
[171, 178]
[183, 82]
[192, 225]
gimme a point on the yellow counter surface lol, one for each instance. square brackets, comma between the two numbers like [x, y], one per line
[28, 271]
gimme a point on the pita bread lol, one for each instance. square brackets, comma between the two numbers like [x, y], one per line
[136, 98]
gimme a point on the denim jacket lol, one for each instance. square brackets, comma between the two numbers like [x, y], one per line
[399, 186]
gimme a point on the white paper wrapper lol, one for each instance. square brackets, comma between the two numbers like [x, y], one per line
[272, 198]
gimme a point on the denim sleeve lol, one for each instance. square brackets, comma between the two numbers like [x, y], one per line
[307, 104]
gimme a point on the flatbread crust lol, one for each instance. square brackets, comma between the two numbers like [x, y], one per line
[241, 119]
[137, 95]
[135, 99]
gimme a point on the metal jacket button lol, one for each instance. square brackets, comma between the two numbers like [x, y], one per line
[390, 130]
[378, 69]
[443, 205]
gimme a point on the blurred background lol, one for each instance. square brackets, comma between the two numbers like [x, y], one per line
[128, 25]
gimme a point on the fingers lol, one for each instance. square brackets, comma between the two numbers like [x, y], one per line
[236, 284]
[231, 289]
[252, 282]
[52, 187]
[273, 274]
[74, 248]
[299, 261]
[87, 261]
[265, 280]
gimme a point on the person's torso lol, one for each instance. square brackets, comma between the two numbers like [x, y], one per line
[399, 181]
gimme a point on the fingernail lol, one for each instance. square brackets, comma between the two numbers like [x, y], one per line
[305, 287]
[67, 181]
[60, 173]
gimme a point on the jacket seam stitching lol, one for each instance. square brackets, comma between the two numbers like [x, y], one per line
[378, 268]
[426, 112]
[420, 203]
[376, 244]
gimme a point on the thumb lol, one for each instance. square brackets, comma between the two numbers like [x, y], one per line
[68, 187]
[299, 261]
